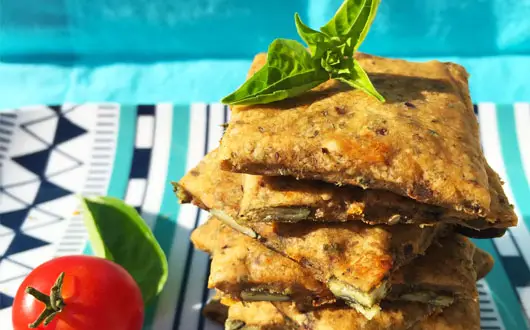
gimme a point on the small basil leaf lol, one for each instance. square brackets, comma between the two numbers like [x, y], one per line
[342, 23]
[288, 87]
[356, 77]
[334, 58]
[118, 233]
[317, 41]
[363, 23]
[289, 71]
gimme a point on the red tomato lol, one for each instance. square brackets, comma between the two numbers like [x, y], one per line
[98, 295]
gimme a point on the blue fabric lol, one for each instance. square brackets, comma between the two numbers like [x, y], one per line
[241, 28]
[182, 51]
[493, 79]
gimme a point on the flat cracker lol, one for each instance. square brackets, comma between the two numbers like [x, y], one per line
[462, 315]
[291, 200]
[286, 199]
[246, 270]
[350, 256]
[355, 260]
[241, 265]
[446, 272]
[284, 315]
[483, 262]
[422, 143]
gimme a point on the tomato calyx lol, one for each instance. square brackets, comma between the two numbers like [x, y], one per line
[54, 302]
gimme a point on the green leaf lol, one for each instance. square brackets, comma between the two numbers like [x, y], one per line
[356, 77]
[118, 233]
[317, 41]
[289, 71]
[334, 58]
[363, 23]
[342, 23]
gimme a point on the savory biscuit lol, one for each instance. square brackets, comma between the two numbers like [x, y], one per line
[422, 143]
[462, 315]
[246, 270]
[285, 316]
[246, 198]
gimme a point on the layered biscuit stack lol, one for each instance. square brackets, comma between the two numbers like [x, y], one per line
[335, 211]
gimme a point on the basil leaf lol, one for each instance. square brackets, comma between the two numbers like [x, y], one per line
[334, 58]
[363, 23]
[289, 71]
[356, 77]
[118, 233]
[342, 23]
[317, 41]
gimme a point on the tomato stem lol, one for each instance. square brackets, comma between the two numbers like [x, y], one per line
[54, 302]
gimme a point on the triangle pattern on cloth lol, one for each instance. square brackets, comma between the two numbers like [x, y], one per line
[38, 217]
[23, 242]
[59, 162]
[5, 301]
[10, 270]
[72, 180]
[50, 232]
[17, 173]
[35, 162]
[5, 241]
[79, 115]
[24, 142]
[49, 191]
[55, 108]
[67, 130]
[42, 129]
[25, 191]
[14, 219]
[34, 257]
[4, 230]
[10, 204]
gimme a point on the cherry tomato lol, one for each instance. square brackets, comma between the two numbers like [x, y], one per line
[96, 294]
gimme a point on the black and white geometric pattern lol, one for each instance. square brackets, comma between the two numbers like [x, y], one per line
[46, 156]
[34, 186]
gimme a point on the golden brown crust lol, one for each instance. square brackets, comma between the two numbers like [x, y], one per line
[395, 316]
[364, 255]
[370, 252]
[446, 269]
[242, 264]
[422, 143]
[483, 262]
[210, 187]
[462, 315]
[360, 255]
[215, 311]
[286, 199]
[256, 316]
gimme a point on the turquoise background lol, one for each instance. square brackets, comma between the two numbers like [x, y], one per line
[134, 51]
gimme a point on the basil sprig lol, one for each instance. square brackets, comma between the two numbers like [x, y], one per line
[118, 233]
[291, 70]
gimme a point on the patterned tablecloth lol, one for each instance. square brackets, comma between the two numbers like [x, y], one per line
[49, 153]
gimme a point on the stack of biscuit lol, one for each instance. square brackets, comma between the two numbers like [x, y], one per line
[333, 210]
